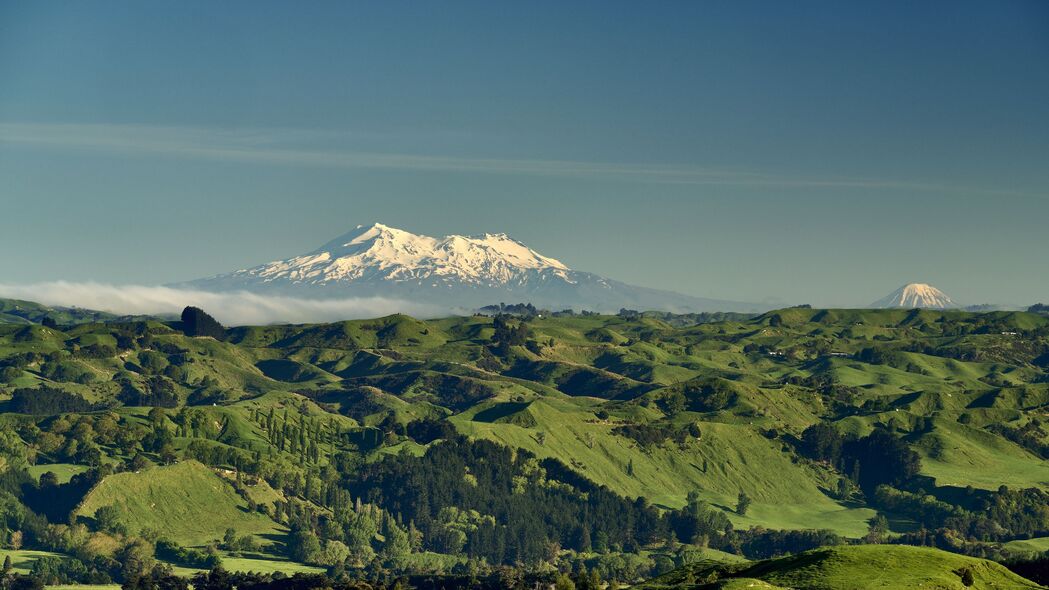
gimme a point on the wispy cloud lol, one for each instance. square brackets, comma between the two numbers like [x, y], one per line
[232, 309]
[283, 146]
[269, 146]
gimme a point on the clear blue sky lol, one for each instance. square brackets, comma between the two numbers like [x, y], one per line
[821, 152]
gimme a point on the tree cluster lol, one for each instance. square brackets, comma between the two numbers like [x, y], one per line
[869, 461]
[196, 322]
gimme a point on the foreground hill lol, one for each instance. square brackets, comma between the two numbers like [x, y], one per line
[850, 568]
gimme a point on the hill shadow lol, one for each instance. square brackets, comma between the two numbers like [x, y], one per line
[501, 410]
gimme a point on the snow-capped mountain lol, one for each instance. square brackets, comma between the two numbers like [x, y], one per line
[916, 295]
[465, 272]
[381, 252]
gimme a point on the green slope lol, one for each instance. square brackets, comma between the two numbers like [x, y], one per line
[944, 381]
[737, 459]
[851, 568]
[16, 311]
[187, 503]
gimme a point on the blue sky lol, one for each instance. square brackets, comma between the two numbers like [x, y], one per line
[804, 152]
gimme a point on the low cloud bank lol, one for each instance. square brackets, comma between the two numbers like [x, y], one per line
[232, 309]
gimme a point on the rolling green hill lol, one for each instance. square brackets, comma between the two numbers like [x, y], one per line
[186, 502]
[788, 369]
[685, 416]
[17, 311]
[851, 568]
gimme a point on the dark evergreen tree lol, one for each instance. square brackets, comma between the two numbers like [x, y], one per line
[195, 322]
[742, 503]
[822, 442]
[883, 459]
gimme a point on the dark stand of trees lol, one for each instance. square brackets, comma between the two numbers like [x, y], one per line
[494, 480]
[876, 459]
[47, 401]
[195, 322]
[220, 579]
[56, 501]
[507, 335]
[1036, 570]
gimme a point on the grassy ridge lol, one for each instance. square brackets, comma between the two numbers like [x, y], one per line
[851, 568]
[186, 502]
[16, 311]
[736, 458]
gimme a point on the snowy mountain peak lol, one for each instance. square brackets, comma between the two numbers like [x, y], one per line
[460, 271]
[916, 295]
[378, 251]
[366, 233]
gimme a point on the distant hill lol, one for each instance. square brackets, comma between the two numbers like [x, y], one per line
[916, 295]
[463, 272]
[16, 311]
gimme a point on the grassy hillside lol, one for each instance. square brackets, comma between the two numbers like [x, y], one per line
[187, 503]
[22, 559]
[63, 471]
[851, 568]
[736, 457]
[788, 369]
[685, 414]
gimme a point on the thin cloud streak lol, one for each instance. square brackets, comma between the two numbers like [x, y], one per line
[232, 309]
[264, 146]
[267, 146]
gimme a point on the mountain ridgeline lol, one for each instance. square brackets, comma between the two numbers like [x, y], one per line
[461, 272]
[515, 446]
